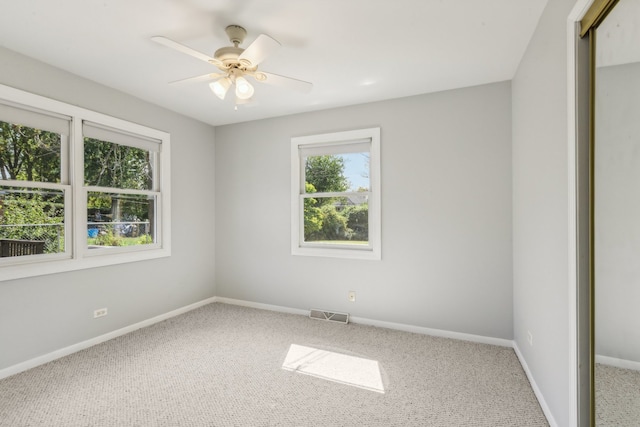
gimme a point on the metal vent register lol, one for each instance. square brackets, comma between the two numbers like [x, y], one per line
[329, 315]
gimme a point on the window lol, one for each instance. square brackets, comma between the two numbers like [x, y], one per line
[335, 207]
[78, 189]
[121, 187]
[34, 190]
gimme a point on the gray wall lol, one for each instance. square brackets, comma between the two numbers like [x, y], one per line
[41, 314]
[617, 214]
[446, 214]
[540, 209]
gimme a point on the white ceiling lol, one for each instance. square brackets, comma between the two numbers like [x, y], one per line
[353, 51]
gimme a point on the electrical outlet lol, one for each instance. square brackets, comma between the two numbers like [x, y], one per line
[351, 296]
[99, 312]
[530, 338]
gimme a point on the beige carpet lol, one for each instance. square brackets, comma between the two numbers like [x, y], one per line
[617, 397]
[221, 365]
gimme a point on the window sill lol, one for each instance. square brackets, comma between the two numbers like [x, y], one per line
[40, 267]
[342, 252]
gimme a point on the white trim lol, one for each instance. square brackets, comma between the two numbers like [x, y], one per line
[115, 190]
[57, 354]
[261, 306]
[378, 323]
[34, 184]
[481, 339]
[76, 174]
[536, 390]
[618, 363]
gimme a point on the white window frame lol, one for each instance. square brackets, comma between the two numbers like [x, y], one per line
[331, 143]
[77, 256]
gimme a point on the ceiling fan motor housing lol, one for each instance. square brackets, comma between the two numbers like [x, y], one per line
[236, 34]
[229, 55]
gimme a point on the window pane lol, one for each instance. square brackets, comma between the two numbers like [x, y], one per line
[343, 220]
[356, 170]
[31, 221]
[338, 172]
[118, 166]
[29, 154]
[120, 219]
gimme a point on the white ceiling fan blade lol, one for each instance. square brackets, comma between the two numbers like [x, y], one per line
[277, 80]
[257, 51]
[184, 49]
[202, 78]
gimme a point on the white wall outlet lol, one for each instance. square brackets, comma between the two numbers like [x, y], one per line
[351, 296]
[530, 338]
[101, 312]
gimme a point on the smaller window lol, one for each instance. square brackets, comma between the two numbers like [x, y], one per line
[335, 207]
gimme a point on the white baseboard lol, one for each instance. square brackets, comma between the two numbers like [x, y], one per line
[379, 323]
[433, 332]
[534, 386]
[49, 357]
[618, 363]
[261, 306]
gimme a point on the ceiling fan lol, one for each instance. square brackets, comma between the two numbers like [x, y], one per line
[236, 63]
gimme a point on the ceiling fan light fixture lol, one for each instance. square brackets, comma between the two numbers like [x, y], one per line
[235, 62]
[221, 86]
[244, 90]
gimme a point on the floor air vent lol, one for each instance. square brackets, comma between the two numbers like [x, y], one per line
[329, 315]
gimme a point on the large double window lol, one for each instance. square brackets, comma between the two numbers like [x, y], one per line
[336, 194]
[78, 189]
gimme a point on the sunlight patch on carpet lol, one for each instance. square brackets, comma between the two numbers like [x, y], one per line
[340, 368]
